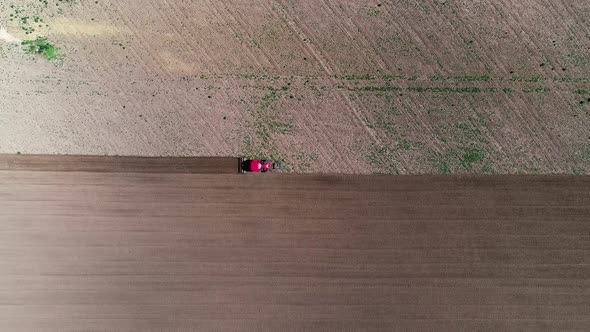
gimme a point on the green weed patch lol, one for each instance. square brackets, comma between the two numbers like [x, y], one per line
[43, 47]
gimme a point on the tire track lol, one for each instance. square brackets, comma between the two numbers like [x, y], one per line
[398, 28]
[466, 25]
[137, 33]
[360, 49]
[232, 17]
[99, 60]
[566, 7]
[200, 41]
[192, 50]
[381, 59]
[105, 137]
[491, 135]
[530, 134]
[416, 39]
[311, 130]
[327, 69]
[554, 150]
[242, 26]
[144, 67]
[557, 11]
[219, 41]
[116, 83]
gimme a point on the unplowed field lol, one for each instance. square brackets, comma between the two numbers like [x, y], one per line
[345, 86]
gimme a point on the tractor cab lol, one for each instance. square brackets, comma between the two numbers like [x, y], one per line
[259, 166]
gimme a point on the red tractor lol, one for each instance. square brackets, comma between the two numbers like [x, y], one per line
[259, 166]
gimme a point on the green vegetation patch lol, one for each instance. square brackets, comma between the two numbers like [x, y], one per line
[384, 120]
[382, 158]
[375, 88]
[391, 77]
[30, 20]
[537, 90]
[582, 92]
[575, 80]
[462, 78]
[357, 77]
[461, 160]
[473, 78]
[534, 79]
[305, 160]
[445, 90]
[266, 125]
[578, 59]
[43, 47]
[404, 145]
[472, 155]
[373, 12]
[584, 154]
[465, 150]
[440, 162]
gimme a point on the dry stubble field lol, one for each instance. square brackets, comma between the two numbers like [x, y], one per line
[325, 85]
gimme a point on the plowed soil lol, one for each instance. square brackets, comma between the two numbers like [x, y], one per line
[87, 251]
[324, 85]
[118, 164]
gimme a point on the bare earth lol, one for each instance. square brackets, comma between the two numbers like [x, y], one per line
[88, 251]
[118, 164]
[345, 86]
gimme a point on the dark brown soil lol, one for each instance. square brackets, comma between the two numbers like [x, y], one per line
[276, 252]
